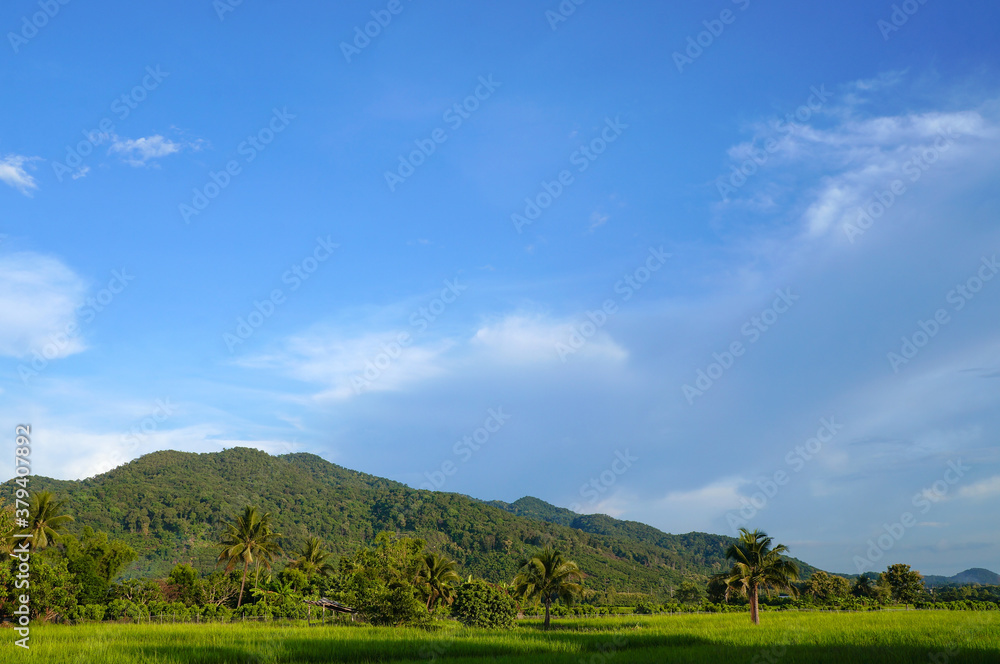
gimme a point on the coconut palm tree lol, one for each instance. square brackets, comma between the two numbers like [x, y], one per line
[249, 539]
[312, 559]
[45, 519]
[548, 576]
[436, 577]
[758, 566]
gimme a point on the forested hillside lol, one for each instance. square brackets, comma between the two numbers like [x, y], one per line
[169, 506]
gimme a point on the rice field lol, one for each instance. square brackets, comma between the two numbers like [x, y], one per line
[939, 637]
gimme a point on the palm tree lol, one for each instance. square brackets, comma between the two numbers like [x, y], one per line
[45, 519]
[436, 577]
[548, 576]
[312, 559]
[249, 539]
[758, 567]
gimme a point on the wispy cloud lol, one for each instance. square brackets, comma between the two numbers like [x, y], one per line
[140, 151]
[13, 173]
[39, 297]
[980, 490]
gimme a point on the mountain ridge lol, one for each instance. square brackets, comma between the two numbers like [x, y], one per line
[170, 507]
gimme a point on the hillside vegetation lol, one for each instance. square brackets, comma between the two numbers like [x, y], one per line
[169, 506]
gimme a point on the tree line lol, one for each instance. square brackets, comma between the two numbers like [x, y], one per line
[398, 580]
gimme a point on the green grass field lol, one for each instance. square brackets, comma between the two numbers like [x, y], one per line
[790, 638]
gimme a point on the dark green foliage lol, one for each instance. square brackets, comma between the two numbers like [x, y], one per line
[906, 586]
[480, 604]
[171, 506]
[52, 591]
[828, 588]
[379, 581]
[690, 592]
[184, 585]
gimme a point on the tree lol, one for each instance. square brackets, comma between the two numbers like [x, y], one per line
[184, 585]
[827, 587]
[138, 591]
[863, 587]
[689, 592]
[249, 539]
[481, 604]
[312, 560]
[378, 581]
[436, 577]
[45, 519]
[548, 576]
[758, 567]
[7, 530]
[904, 584]
[718, 591]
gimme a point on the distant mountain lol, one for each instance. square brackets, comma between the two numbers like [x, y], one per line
[976, 575]
[700, 546]
[170, 507]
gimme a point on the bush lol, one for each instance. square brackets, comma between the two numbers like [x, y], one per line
[479, 604]
[214, 612]
[122, 609]
[646, 608]
[92, 612]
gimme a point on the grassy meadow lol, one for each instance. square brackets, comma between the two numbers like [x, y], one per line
[787, 637]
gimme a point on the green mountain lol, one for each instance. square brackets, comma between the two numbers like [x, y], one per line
[976, 575]
[170, 506]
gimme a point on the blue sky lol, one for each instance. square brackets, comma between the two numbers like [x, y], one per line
[616, 261]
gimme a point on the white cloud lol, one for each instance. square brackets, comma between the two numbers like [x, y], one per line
[598, 219]
[859, 154]
[522, 339]
[39, 297]
[140, 151]
[74, 453]
[684, 511]
[12, 173]
[983, 489]
[350, 366]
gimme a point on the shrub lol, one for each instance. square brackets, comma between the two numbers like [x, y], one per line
[479, 604]
[646, 608]
[123, 609]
